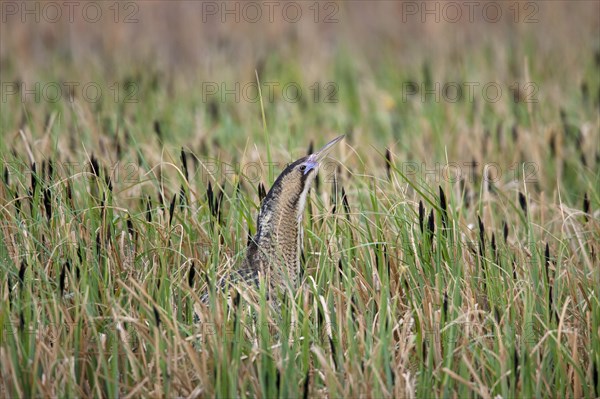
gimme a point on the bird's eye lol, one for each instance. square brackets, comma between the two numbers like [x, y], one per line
[302, 168]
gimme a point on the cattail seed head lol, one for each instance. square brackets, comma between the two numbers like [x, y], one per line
[552, 145]
[444, 207]
[262, 193]
[209, 197]
[547, 262]
[172, 208]
[596, 369]
[586, 206]
[481, 236]
[5, 177]
[9, 282]
[158, 130]
[431, 223]
[421, 216]
[22, 273]
[184, 164]
[98, 244]
[62, 279]
[130, 226]
[306, 387]
[156, 316]
[523, 202]
[149, 210]
[218, 204]
[47, 196]
[94, 167]
[585, 92]
[515, 133]
[192, 274]
[388, 163]
[33, 179]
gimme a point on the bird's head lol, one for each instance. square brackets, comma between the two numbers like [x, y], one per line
[293, 184]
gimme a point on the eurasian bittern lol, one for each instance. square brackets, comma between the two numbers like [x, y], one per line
[273, 254]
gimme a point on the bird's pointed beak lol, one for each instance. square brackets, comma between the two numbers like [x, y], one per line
[317, 157]
[322, 153]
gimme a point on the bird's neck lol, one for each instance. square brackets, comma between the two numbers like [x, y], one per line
[279, 239]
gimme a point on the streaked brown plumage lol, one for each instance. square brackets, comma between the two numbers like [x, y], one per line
[274, 252]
